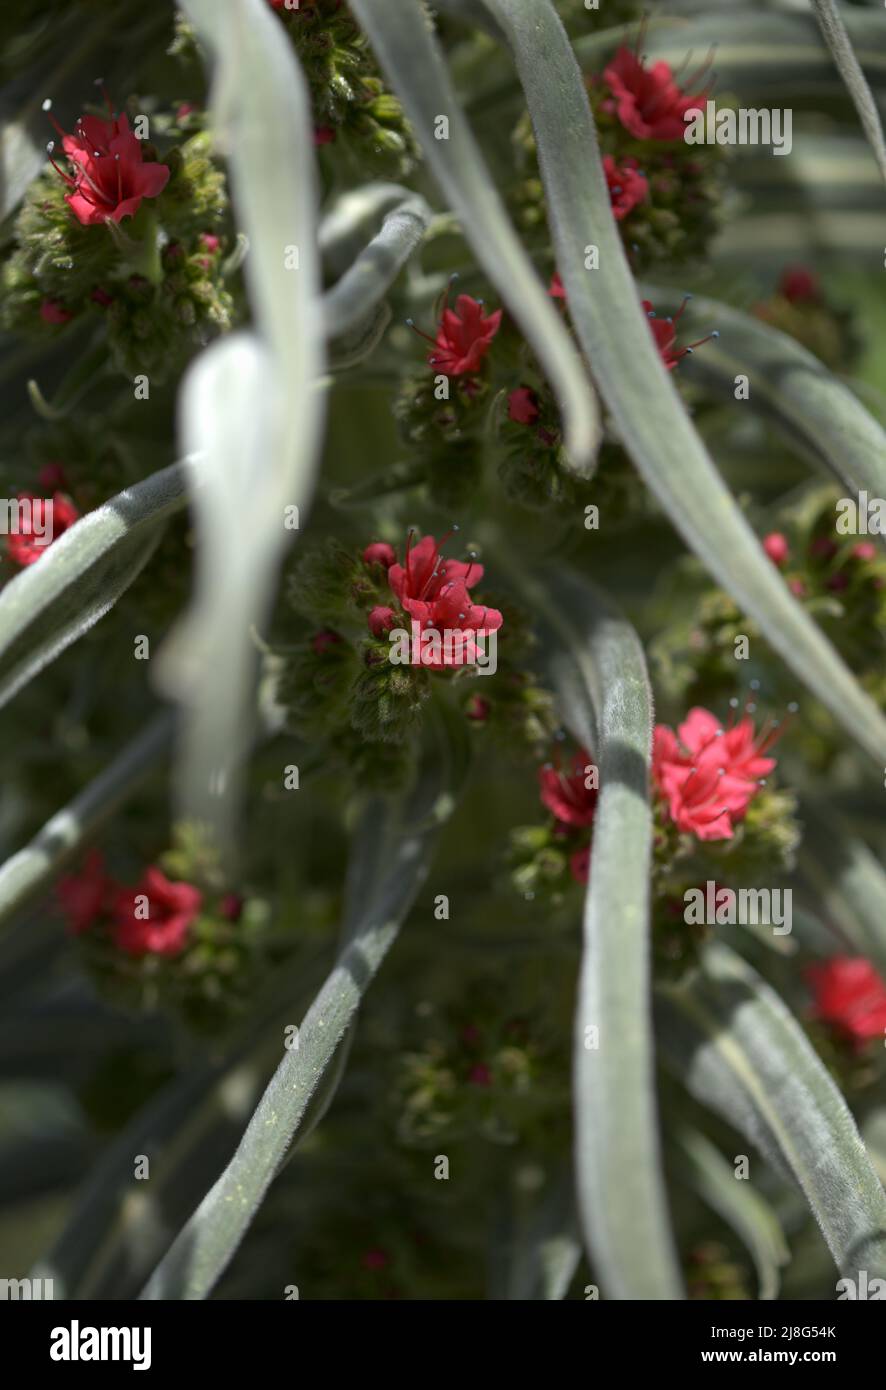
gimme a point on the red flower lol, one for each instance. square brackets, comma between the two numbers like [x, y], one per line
[556, 289]
[523, 406]
[480, 1075]
[627, 187]
[381, 620]
[648, 102]
[376, 1259]
[850, 996]
[170, 908]
[823, 548]
[52, 476]
[53, 311]
[41, 528]
[566, 794]
[379, 553]
[709, 775]
[110, 175]
[798, 285]
[322, 641]
[664, 331]
[864, 550]
[83, 895]
[776, 547]
[324, 135]
[477, 709]
[463, 337]
[434, 592]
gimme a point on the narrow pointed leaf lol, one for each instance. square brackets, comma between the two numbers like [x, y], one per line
[28, 873]
[611, 325]
[391, 858]
[376, 267]
[741, 1053]
[411, 57]
[739, 1204]
[253, 401]
[813, 408]
[838, 41]
[82, 574]
[597, 664]
[847, 882]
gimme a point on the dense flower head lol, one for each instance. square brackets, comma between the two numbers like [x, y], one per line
[707, 774]
[850, 996]
[566, 794]
[434, 592]
[43, 520]
[110, 175]
[627, 186]
[464, 336]
[83, 895]
[155, 916]
[649, 103]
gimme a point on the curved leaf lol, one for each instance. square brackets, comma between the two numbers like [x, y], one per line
[358, 291]
[410, 55]
[28, 873]
[605, 307]
[772, 57]
[54, 601]
[815, 411]
[597, 664]
[741, 1053]
[847, 880]
[253, 401]
[838, 41]
[739, 1205]
[391, 859]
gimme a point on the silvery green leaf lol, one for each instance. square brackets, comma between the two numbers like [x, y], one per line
[597, 665]
[741, 1053]
[646, 410]
[391, 856]
[254, 401]
[52, 602]
[814, 410]
[409, 54]
[27, 873]
[838, 41]
[374, 270]
[847, 882]
[739, 1204]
